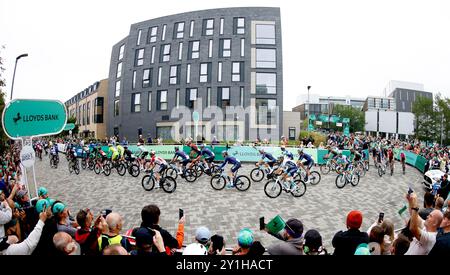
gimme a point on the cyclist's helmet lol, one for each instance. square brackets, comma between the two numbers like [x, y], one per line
[283, 147]
[224, 153]
[177, 148]
[202, 145]
[261, 151]
[152, 153]
[300, 151]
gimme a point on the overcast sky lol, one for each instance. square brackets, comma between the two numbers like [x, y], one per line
[345, 47]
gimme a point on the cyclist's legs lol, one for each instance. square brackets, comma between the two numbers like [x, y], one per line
[234, 170]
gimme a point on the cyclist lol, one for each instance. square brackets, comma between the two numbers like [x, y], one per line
[208, 155]
[54, 151]
[114, 152]
[142, 155]
[196, 151]
[102, 155]
[154, 160]
[236, 165]
[121, 151]
[390, 156]
[271, 160]
[307, 164]
[403, 160]
[288, 169]
[343, 161]
[127, 153]
[184, 160]
[357, 156]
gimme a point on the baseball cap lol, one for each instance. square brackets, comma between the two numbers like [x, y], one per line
[144, 236]
[313, 240]
[195, 249]
[294, 227]
[41, 204]
[245, 238]
[42, 191]
[354, 219]
[21, 193]
[202, 234]
[58, 208]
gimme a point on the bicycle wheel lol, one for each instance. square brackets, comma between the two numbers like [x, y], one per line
[121, 169]
[380, 171]
[76, 169]
[171, 172]
[134, 170]
[361, 169]
[107, 169]
[340, 181]
[190, 175]
[242, 183]
[299, 190]
[325, 169]
[91, 164]
[366, 166]
[83, 163]
[272, 189]
[148, 183]
[257, 175]
[168, 184]
[97, 168]
[218, 182]
[354, 179]
[70, 167]
[314, 177]
[199, 170]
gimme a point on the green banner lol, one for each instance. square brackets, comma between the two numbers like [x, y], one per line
[420, 163]
[69, 126]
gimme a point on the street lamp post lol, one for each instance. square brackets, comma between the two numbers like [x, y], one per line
[309, 87]
[328, 114]
[14, 74]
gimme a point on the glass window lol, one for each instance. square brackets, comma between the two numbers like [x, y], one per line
[266, 58]
[236, 72]
[225, 47]
[191, 97]
[152, 60]
[266, 111]
[191, 30]
[165, 53]
[177, 100]
[174, 79]
[208, 97]
[208, 26]
[188, 73]
[149, 101]
[222, 21]
[179, 30]
[116, 107]
[119, 70]
[292, 135]
[223, 97]
[139, 57]
[205, 69]
[133, 84]
[164, 33]
[162, 100]
[242, 47]
[121, 50]
[180, 51]
[195, 49]
[265, 34]
[117, 94]
[159, 75]
[153, 33]
[146, 78]
[241, 97]
[239, 25]
[138, 42]
[266, 83]
[219, 73]
[136, 103]
[210, 49]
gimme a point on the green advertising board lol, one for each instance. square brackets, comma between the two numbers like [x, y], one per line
[26, 117]
[69, 126]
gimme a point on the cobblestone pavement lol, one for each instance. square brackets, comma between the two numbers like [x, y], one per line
[323, 207]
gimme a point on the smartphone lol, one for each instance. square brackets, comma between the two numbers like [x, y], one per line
[262, 225]
[180, 213]
[380, 217]
[217, 242]
[410, 191]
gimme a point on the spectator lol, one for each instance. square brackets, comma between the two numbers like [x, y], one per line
[149, 139]
[424, 232]
[5, 213]
[65, 245]
[400, 245]
[428, 205]
[445, 186]
[245, 241]
[313, 243]
[150, 218]
[345, 243]
[145, 240]
[389, 236]
[203, 236]
[112, 236]
[292, 239]
[257, 249]
[442, 245]
[217, 245]
[64, 224]
[439, 204]
[376, 239]
[86, 236]
[141, 140]
[43, 193]
[195, 249]
[115, 249]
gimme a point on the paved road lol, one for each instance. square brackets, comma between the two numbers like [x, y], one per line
[324, 207]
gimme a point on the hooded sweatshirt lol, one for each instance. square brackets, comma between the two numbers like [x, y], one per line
[289, 247]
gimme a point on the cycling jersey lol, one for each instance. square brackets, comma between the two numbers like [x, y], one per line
[128, 153]
[195, 149]
[390, 155]
[207, 153]
[357, 156]
[158, 160]
[268, 156]
[230, 160]
[402, 156]
[306, 157]
[182, 155]
[54, 150]
[120, 150]
[142, 149]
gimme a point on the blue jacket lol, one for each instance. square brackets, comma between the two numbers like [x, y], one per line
[230, 160]
[181, 154]
[206, 152]
[268, 156]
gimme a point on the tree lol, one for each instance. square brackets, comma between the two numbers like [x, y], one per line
[355, 115]
[425, 119]
[75, 130]
[442, 109]
[3, 137]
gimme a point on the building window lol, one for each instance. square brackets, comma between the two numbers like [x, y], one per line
[237, 72]
[266, 58]
[152, 60]
[149, 101]
[177, 99]
[147, 78]
[121, 50]
[135, 103]
[159, 75]
[222, 21]
[208, 97]
[139, 57]
[266, 83]
[165, 53]
[139, 38]
[219, 73]
[179, 30]
[191, 29]
[210, 48]
[153, 32]
[191, 97]
[117, 94]
[133, 84]
[98, 110]
[208, 26]
[162, 100]
[180, 51]
[164, 33]
[174, 74]
[266, 111]
[116, 107]
[292, 134]
[194, 49]
[84, 114]
[205, 72]
[225, 48]
[223, 97]
[239, 25]
[241, 97]
[119, 70]
[242, 47]
[188, 74]
[265, 34]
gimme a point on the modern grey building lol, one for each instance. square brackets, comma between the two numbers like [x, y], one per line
[228, 57]
[405, 98]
